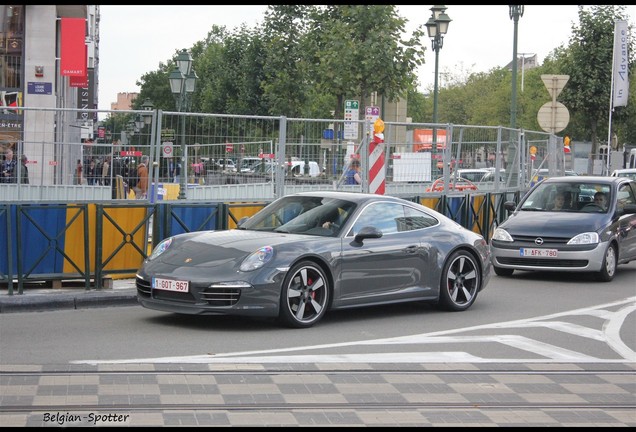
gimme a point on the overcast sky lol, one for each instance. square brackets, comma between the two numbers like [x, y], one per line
[135, 39]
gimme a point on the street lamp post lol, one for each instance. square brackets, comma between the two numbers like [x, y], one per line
[147, 115]
[182, 84]
[516, 12]
[437, 26]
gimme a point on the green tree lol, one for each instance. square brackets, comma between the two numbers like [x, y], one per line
[286, 80]
[588, 61]
[358, 49]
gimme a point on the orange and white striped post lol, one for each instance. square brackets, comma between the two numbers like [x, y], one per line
[377, 177]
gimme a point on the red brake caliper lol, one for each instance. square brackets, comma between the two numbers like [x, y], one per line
[310, 282]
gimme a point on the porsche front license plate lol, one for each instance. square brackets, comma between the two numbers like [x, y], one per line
[541, 253]
[170, 285]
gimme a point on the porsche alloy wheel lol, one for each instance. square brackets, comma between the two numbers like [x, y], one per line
[461, 281]
[305, 295]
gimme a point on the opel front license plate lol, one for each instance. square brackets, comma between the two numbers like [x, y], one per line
[541, 253]
[170, 285]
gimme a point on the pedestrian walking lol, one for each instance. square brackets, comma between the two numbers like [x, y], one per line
[352, 174]
[106, 171]
[8, 168]
[79, 170]
[24, 175]
[141, 189]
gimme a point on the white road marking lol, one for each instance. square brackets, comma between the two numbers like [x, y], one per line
[549, 353]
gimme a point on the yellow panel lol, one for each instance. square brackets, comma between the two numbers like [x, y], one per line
[240, 212]
[126, 256]
[74, 239]
[127, 218]
[172, 191]
[478, 201]
[429, 202]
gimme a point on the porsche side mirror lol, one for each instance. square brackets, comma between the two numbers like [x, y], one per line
[367, 232]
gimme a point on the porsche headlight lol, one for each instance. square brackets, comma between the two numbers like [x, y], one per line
[501, 235]
[160, 248]
[257, 259]
[584, 238]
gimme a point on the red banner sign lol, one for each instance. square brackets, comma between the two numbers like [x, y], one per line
[73, 47]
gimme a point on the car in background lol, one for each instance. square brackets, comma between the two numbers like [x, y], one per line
[247, 163]
[225, 164]
[627, 172]
[307, 253]
[543, 173]
[491, 175]
[473, 174]
[297, 169]
[584, 236]
[265, 167]
[457, 184]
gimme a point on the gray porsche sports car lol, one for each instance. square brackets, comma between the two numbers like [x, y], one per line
[306, 253]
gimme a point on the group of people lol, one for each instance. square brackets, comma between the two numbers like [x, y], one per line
[560, 202]
[10, 169]
[102, 173]
[95, 173]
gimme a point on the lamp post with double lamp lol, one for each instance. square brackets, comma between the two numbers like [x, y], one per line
[516, 12]
[182, 84]
[437, 26]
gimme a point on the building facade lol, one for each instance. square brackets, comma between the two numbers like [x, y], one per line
[124, 101]
[30, 75]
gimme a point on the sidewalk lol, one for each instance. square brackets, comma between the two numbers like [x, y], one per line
[123, 293]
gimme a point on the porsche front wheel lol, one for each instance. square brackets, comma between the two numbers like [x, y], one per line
[305, 295]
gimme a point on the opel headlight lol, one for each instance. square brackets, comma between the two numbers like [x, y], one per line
[584, 238]
[257, 259]
[501, 235]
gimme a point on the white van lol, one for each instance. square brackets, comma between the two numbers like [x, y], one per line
[297, 168]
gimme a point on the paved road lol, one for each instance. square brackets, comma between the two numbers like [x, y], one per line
[412, 383]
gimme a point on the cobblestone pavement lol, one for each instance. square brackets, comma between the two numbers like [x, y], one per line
[319, 395]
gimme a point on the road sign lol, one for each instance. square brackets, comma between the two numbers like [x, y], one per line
[555, 83]
[229, 147]
[351, 112]
[371, 113]
[167, 149]
[167, 134]
[553, 117]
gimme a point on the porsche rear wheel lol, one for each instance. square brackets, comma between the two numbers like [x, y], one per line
[305, 295]
[461, 281]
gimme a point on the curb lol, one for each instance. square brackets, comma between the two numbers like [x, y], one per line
[59, 301]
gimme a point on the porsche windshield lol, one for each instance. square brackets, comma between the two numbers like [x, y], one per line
[302, 215]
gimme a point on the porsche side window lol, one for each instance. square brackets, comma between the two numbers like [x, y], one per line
[383, 216]
[415, 219]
